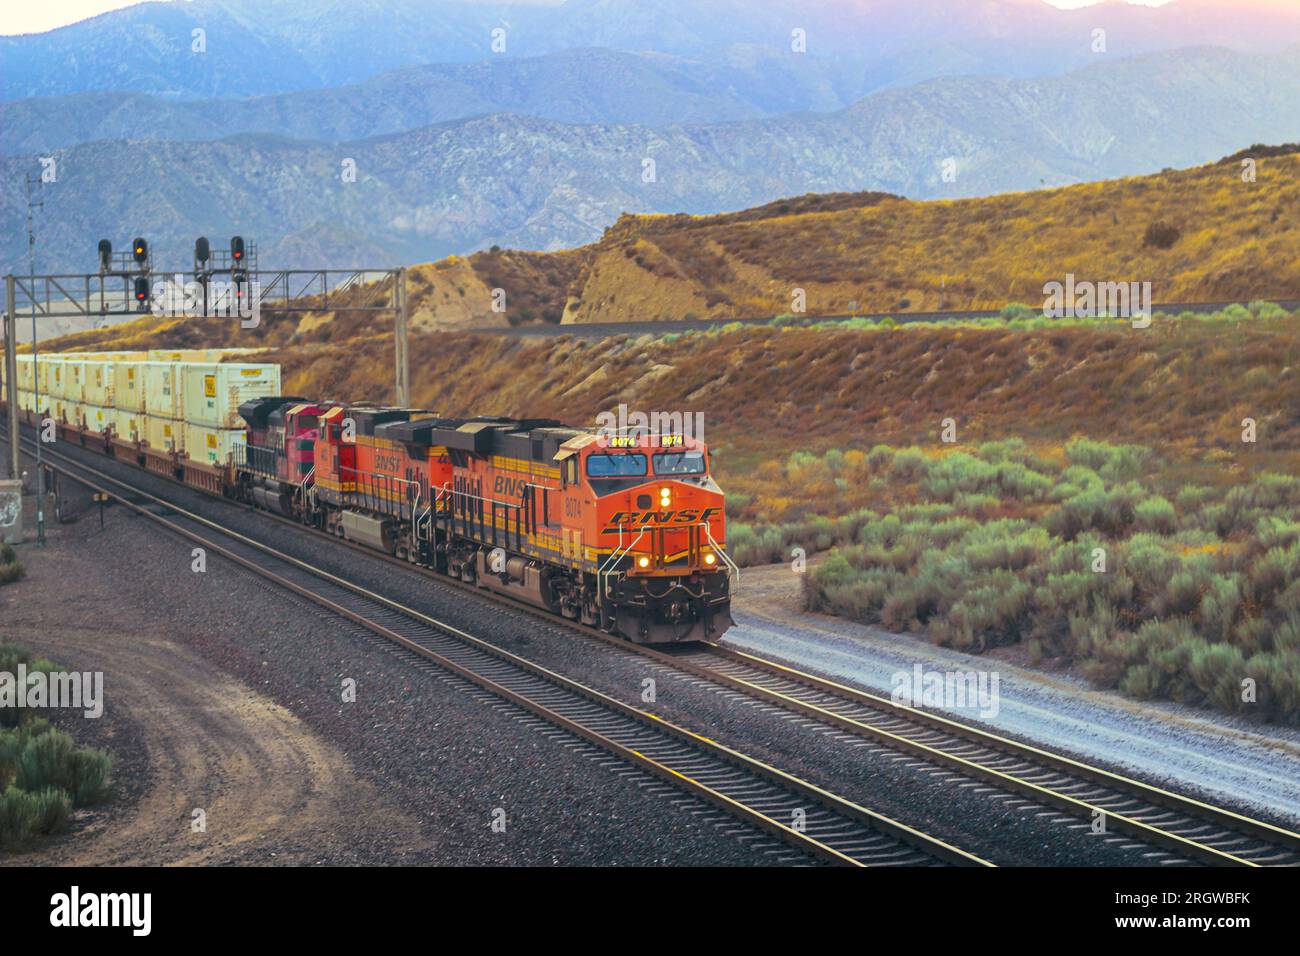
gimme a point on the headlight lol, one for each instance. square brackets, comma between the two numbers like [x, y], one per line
[665, 492]
[643, 562]
[709, 559]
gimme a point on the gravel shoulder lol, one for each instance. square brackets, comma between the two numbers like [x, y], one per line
[1252, 766]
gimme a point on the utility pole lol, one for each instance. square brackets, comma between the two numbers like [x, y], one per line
[401, 359]
[33, 204]
[11, 375]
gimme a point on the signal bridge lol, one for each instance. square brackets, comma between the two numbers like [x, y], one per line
[124, 286]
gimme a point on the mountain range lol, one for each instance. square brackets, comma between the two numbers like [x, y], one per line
[517, 180]
[258, 47]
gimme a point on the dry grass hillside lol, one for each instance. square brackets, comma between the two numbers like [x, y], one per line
[1197, 235]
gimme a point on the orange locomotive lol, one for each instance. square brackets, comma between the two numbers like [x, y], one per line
[623, 532]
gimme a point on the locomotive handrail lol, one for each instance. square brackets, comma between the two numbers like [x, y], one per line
[618, 554]
[732, 566]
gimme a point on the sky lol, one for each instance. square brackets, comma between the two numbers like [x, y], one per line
[39, 17]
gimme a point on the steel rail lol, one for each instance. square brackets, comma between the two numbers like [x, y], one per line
[850, 833]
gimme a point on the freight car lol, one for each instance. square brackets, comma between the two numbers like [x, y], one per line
[622, 532]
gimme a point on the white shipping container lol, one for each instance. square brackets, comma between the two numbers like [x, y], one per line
[98, 389]
[96, 418]
[212, 446]
[74, 380]
[212, 393]
[26, 375]
[164, 434]
[162, 389]
[128, 425]
[128, 386]
[55, 372]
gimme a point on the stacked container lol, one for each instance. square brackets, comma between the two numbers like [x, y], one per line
[211, 393]
[128, 386]
[96, 418]
[97, 390]
[163, 408]
[128, 425]
[163, 434]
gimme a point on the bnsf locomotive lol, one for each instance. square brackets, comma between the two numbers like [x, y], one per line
[622, 532]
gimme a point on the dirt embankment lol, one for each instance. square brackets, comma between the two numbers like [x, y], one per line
[184, 736]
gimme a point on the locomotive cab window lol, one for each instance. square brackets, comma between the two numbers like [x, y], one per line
[679, 463]
[631, 465]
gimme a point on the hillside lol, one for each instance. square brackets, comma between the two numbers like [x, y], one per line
[527, 182]
[1231, 240]
[1234, 241]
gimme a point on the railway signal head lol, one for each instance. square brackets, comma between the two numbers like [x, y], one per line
[237, 249]
[141, 291]
[105, 255]
[140, 251]
[202, 252]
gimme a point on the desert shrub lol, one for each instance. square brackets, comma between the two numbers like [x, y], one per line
[1192, 497]
[1110, 511]
[880, 458]
[1155, 514]
[1272, 572]
[1112, 462]
[980, 506]
[962, 473]
[1219, 606]
[1267, 310]
[1272, 531]
[1161, 235]
[12, 572]
[908, 464]
[11, 655]
[1018, 311]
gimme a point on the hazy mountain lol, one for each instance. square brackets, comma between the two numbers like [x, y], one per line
[535, 183]
[579, 86]
[256, 47]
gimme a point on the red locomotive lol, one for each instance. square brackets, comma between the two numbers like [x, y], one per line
[623, 532]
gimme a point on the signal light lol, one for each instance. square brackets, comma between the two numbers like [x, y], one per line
[141, 290]
[202, 252]
[105, 255]
[237, 248]
[140, 251]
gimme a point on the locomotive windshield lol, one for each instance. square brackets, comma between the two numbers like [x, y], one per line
[679, 463]
[629, 465]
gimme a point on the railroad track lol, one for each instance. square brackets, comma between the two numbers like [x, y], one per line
[1185, 827]
[821, 824]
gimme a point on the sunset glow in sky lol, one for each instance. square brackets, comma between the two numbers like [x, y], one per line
[37, 17]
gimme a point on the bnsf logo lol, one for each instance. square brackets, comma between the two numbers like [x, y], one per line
[637, 518]
[514, 487]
